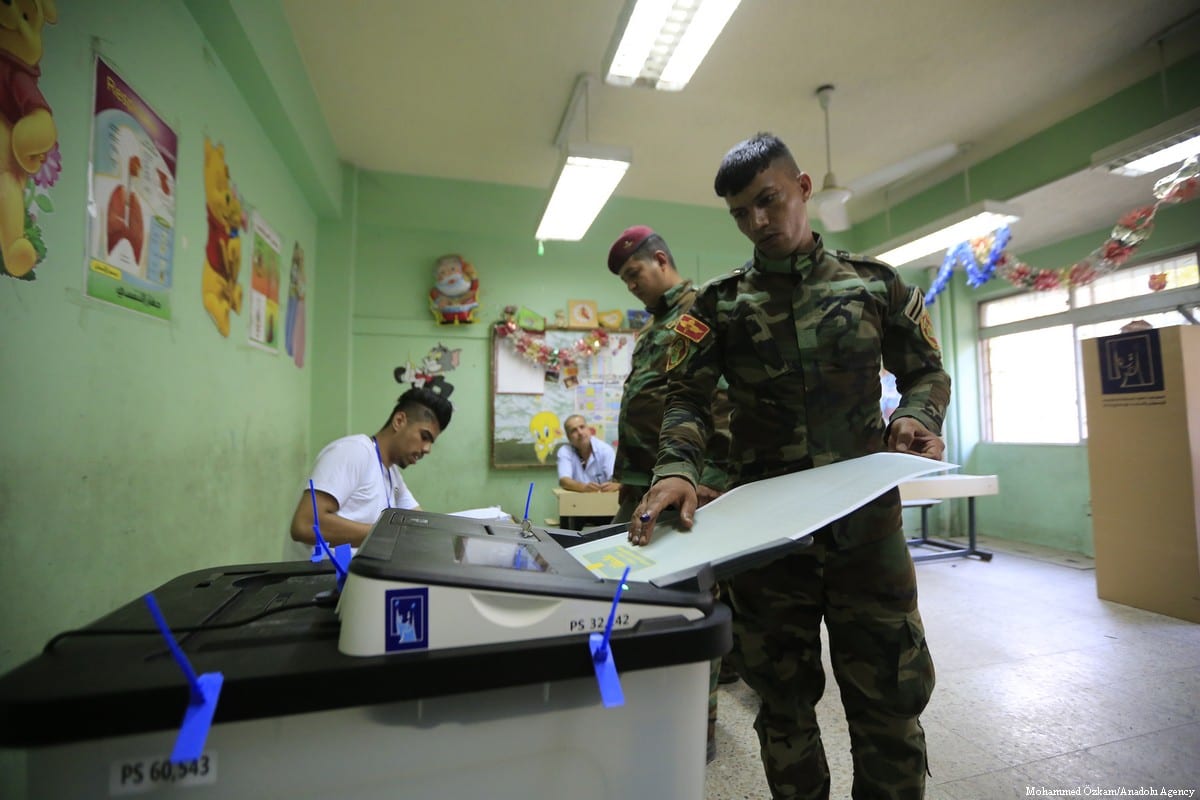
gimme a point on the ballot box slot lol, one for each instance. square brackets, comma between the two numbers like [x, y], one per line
[258, 637]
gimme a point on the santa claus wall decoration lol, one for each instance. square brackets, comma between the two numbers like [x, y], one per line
[455, 293]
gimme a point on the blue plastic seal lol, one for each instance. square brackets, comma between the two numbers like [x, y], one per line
[611, 694]
[340, 556]
[603, 663]
[197, 719]
[204, 691]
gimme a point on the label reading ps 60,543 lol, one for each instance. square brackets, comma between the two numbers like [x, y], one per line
[142, 775]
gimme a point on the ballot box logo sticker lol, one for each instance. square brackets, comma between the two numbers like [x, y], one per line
[407, 620]
[1131, 362]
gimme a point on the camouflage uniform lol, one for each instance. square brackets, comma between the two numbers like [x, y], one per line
[642, 405]
[801, 342]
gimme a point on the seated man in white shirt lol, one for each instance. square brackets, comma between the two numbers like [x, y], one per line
[358, 477]
[585, 463]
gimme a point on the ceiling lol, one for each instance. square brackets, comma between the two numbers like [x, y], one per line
[476, 89]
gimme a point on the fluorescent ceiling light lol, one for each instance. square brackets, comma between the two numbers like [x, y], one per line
[588, 176]
[1153, 162]
[971, 222]
[660, 43]
[1171, 142]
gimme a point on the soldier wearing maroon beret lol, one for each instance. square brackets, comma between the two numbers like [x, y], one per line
[643, 262]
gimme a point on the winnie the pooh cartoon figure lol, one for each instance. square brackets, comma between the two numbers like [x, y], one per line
[223, 252]
[27, 130]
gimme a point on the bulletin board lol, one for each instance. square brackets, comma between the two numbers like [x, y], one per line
[530, 403]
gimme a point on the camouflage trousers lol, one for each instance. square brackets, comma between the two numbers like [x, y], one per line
[867, 596]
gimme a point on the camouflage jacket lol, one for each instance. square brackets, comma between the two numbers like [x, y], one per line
[645, 394]
[801, 343]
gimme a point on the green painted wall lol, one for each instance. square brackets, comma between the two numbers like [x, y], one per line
[399, 226]
[135, 451]
[1045, 494]
[253, 40]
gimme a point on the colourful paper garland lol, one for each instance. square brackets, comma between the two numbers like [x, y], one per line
[987, 256]
[535, 350]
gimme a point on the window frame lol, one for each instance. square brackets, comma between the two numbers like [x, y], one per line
[1185, 300]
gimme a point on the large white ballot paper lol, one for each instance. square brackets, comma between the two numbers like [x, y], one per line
[755, 518]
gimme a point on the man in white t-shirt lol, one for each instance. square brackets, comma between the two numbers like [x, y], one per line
[358, 477]
[585, 463]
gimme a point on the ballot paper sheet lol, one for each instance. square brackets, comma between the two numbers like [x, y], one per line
[756, 518]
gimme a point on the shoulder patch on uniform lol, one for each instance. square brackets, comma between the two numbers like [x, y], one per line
[676, 352]
[914, 306]
[927, 332]
[691, 328]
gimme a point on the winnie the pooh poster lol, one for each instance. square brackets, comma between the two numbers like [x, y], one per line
[29, 159]
[223, 250]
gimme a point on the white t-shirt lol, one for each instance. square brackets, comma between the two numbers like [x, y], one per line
[598, 469]
[349, 470]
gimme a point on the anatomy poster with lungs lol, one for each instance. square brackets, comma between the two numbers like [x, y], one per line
[131, 208]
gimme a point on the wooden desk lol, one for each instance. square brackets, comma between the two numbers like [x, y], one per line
[925, 492]
[572, 505]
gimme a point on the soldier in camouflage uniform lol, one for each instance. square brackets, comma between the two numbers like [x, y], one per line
[800, 334]
[643, 262]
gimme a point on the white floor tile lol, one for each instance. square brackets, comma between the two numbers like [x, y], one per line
[1040, 684]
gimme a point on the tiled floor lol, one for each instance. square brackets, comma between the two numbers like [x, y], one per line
[1040, 686]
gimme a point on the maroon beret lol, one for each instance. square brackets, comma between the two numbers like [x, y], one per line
[625, 244]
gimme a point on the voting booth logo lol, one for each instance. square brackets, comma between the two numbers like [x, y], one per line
[407, 619]
[1132, 362]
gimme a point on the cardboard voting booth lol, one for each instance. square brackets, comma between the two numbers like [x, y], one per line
[1143, 407]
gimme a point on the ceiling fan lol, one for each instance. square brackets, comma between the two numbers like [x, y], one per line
[830, 201]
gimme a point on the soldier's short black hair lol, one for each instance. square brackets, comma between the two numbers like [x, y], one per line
[423, 403]
[648, 246]
[746, 160]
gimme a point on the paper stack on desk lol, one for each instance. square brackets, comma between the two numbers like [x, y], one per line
[756, 517]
